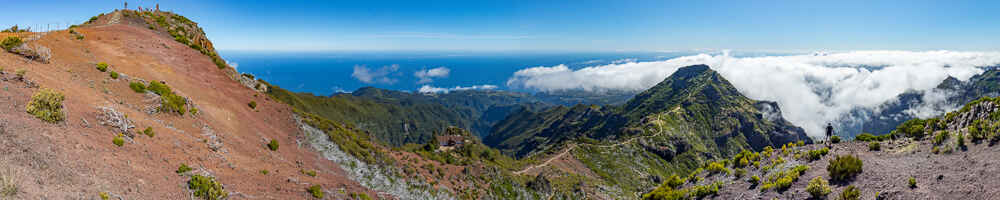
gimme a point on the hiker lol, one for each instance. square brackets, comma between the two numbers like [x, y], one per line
[829, 133]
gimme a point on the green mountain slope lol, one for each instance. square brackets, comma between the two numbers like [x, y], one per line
[397, 118]
[708, 104]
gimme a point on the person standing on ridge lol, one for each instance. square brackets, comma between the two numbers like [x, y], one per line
[829, 133]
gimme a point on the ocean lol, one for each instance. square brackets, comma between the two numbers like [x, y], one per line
[324, 73]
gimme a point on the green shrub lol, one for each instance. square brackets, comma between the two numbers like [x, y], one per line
[835, 139]
[850, 193]
[149, 132]
[273, 145]
[102, 66]
[20, 73]
[818, 187]
[10, 42]
[675, 182]
[800, 143]
[961, 140]
[754, 180]
[183, 169]
[311, 173]
[844, 167]
[46, 104]
[874, 146]
[118, 140]
[206, 188]
[912, 182]
[935, 150]
[173, 103]
[252, 104]
[867, 137]
[702, 191]
[159, 88]
[114, 75]
[137, 87]
[316, 191]
[913, 128]
[940, 137]
[264, 172]
[716, 167]
[819, 153]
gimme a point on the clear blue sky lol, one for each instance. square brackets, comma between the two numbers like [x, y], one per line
[566, 25]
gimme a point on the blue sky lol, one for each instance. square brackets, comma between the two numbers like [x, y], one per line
[566, 25]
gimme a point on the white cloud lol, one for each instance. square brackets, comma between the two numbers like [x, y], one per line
[810, 89]
[380, 75]
[428, 75]
[432, 89]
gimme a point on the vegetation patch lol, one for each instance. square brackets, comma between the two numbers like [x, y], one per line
[183, 169]
[47, 105]
[137, 87]
[316, 191]
[273, 145]
[311, 173]
[149, 132]
[118, 140]
[818, 187]
[850, 193]
[835, 139]
[114, 75]
[10, 43]
[102, 66]
[844, 168]
[874, 146]
[819, 153]
[783, 180]
[912, 182]
[207, 188]
[252, 104]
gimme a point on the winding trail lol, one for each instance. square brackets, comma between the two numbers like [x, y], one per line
[659, 118]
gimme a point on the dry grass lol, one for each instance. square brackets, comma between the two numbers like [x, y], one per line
[8, 182]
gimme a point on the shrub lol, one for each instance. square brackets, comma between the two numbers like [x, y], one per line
[716, 167]
[800, 143]
[874, 146]
[913, 182]
[754, 180]
[137, 87]
[264, 172]
[935, 150]
[114, 75]
[159, 88]
[10, 42]
[940, 137]
[252, 104]
[46, 104]
[867, 137]
[843, 168]
[818, 187]
[311, 173]
[104, 195]
[850, 193]
[675, 182]
[961, 140]
[702, 191]
[102, 66]
[316, 191]
[206, 188]
[819, 153]
[173, 103]
[273, 145]
[835, 139]
[118, 140]
[149, 132]
[183, 169]
[20, 73]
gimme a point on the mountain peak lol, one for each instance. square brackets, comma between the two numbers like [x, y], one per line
[691, 71]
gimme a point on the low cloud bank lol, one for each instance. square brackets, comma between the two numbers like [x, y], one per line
[810, 89]
[432, 89]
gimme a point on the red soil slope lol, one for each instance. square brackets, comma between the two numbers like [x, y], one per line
[76, 159]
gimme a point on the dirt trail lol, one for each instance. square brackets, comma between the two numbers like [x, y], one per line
[572, 146]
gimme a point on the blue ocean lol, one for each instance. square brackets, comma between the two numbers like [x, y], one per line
[324, 73]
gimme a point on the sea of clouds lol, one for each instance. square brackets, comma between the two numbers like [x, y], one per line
[811, 89]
